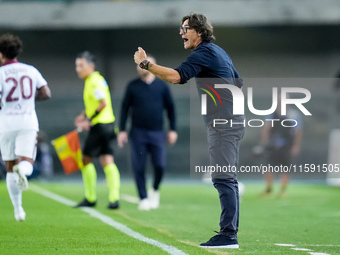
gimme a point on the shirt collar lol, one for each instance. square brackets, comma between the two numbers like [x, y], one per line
[12, 61]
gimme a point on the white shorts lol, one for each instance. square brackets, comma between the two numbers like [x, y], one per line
[18, 143]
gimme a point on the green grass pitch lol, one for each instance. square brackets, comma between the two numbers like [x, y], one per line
[307, 217]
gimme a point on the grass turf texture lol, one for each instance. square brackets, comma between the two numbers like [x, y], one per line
[308, 217]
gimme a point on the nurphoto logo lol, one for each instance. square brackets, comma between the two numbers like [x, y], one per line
[238, 104]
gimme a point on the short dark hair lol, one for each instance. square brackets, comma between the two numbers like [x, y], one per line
[90, 58]
[10, 46]
[202, 25]
[151, 56]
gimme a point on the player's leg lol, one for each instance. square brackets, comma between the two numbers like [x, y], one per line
[138, 157]
[224, 149]
[107, 137]
[25, 150]
[286, 160]
[158, 157]
[112, 178]
[88, 171]
[89, 174]
[269, 177]
[284, 184]
[273, 159]
[14, 192]
[24, 168]
[8, 143]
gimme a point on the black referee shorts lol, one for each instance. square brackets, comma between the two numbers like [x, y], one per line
[100, 140]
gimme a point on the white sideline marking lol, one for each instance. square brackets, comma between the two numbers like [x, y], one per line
[330, 245]
[52, 195]
[304, 249]
[301, 249]
[109, 221]
[129, 198]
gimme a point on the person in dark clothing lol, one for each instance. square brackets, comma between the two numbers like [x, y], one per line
[281, 144]
[147, 97]
[211, 65]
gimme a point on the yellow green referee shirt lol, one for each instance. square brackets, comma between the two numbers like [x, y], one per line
[95, 90]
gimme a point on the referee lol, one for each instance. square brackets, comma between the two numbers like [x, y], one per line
[210, 65]
[99, 119]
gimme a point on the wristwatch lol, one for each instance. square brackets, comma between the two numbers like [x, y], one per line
[144, 64]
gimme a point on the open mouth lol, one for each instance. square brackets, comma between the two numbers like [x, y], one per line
[185, 40]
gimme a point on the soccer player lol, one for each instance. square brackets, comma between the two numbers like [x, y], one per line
[282, 144]
[147, 97]
[20, 86]
[99, 119]
[210, 65]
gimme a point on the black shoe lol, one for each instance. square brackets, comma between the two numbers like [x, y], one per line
[114, 205]
[221, 241]
[86, 203]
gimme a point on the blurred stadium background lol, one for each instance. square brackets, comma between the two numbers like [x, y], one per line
[265, 39]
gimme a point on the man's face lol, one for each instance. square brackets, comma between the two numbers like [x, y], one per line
[142, 72]
[191, 38]
[83, 68]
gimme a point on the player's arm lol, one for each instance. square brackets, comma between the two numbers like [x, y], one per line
[297, 142]
[43, 93]
[170, 107]
[165, 73]
[265, 134]
[102, 104]
[80, 119]
[83, 122]
[122, 137]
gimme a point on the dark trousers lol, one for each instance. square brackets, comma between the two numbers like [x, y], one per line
[229, 199]
[142, 142]
[224, 142]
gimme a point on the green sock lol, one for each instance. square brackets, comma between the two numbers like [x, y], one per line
[90, 180]
[113, 181]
